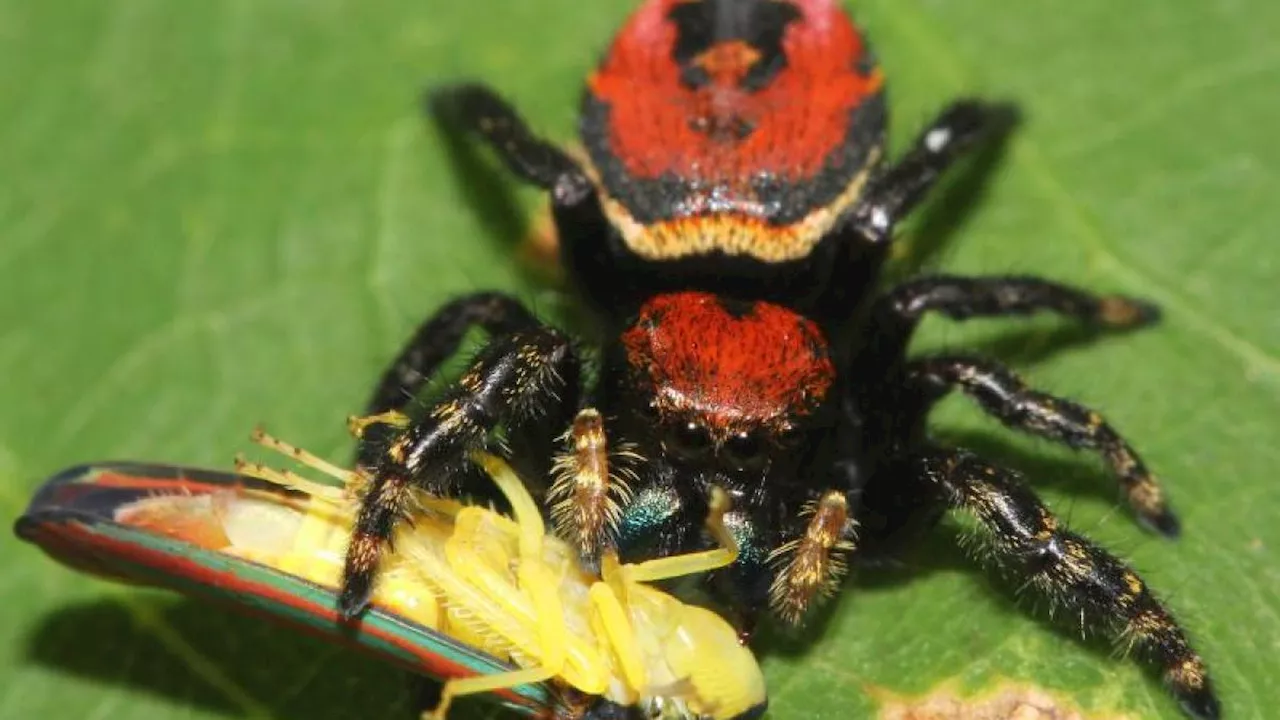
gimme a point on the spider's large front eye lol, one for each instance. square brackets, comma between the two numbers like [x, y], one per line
[648, 412]
[744, 450]
[690, 441]
[788, 437]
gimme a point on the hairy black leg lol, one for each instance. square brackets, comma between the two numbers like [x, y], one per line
[479, 110]
[433, 343]
[437, 339]
[1004, 395]
[895, 315]
[511, 381]
[581, 226]
[896, 191]
[1070, 570]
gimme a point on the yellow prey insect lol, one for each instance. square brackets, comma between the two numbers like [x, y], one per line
[503, 586]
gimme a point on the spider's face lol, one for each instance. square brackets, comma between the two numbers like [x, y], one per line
[725, 391]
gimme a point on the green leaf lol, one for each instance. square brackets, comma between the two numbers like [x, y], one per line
[215, 214]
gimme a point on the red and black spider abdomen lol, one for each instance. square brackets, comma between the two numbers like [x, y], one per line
[739, 127]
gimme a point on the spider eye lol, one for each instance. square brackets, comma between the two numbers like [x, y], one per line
[690, 441]
[744, 450]
[788, 437]
[648, 412]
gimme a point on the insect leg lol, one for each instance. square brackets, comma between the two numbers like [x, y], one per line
[690, 563]
[1005, 396]
[513, 379]
[483, 684]
[616, 577]
[896, 191]
[358, 425]
[1071, 571]
[348, 478]
[535, 580]
[895, 315]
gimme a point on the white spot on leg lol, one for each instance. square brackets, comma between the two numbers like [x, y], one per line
[937, 140]
[880, 219]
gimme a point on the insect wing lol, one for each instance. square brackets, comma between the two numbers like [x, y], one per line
[80, 518]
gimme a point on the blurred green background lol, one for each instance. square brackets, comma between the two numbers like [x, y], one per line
[215, 214]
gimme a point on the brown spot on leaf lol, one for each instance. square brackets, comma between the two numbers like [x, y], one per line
[1007, 702]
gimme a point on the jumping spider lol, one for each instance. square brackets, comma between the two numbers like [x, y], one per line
[729, 224]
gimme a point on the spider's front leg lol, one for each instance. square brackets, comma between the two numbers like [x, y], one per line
[1070, 570]
[1004, 395]
[513, 380]
[898, 189]
[433, 343]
